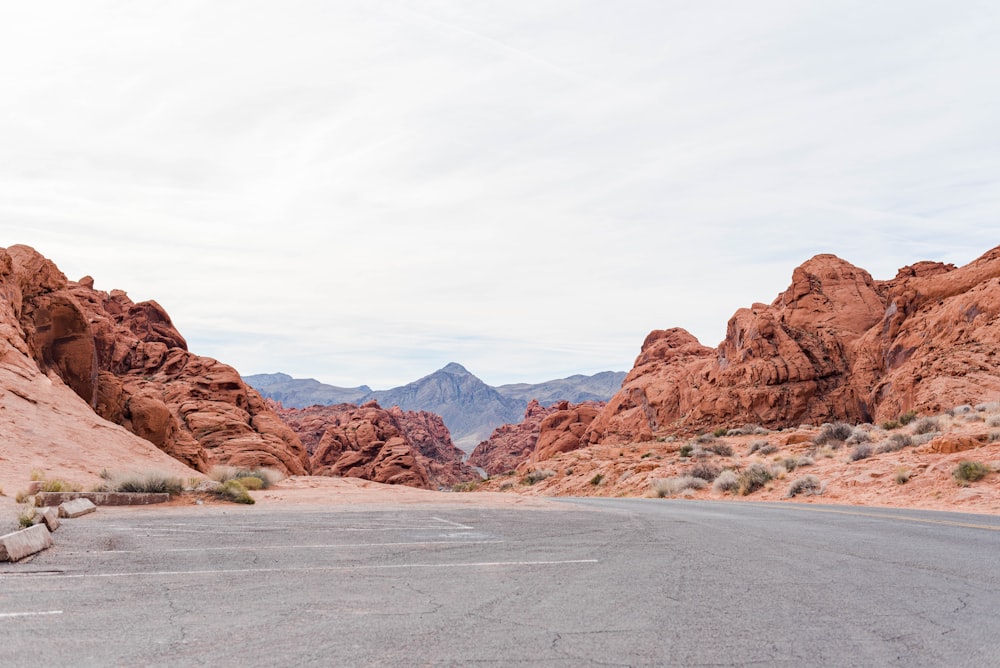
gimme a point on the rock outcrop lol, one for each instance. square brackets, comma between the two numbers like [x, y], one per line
[511, 444]
[544, 432]
[389, 446]
[49, 385]
[836, 345]
[129, 363]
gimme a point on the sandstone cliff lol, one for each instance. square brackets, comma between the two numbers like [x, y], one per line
[131, 366]
[391, 446]
[836, 345]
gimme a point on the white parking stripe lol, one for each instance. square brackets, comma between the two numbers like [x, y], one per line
[454, 524]
[30, 614]
[254, 548]
[311, 569]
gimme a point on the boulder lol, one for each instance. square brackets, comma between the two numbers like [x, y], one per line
[24, 543]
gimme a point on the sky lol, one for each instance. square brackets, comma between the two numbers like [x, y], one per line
[361, 192]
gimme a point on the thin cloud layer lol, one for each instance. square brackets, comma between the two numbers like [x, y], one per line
[363, 192]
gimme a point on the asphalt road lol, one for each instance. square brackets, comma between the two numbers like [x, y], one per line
[601, 582]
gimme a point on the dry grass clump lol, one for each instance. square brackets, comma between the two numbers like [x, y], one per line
[58, 485]
[705, 471]
[233, 490]
[537, 475]
[149, 483]
[926, 425]
[249, 478]
[762, 447]
[25, 515]
[894, 443]
[807, 484]
[792, 463]
[670, 486]
[753, 477]
[902, 475]
[721, 448]
[862, 451]
[993, 421]
[727, 481]
[749, 430]
[836, 432]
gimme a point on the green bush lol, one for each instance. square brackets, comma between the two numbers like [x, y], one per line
[233, 490]
[907, 417]
[266, 476]
[721, 431]
[686, 450]
[970, 471]
[597, 479]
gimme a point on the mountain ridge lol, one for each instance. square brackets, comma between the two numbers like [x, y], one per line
[470, 408]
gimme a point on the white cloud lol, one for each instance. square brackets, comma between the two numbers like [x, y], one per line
[362, 192]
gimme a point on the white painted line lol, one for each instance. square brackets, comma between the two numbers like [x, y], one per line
[30, 614]
[313, 569]
[231, 531]
[254, 548]
[454, 524]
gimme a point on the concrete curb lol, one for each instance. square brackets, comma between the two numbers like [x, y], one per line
[25, 542]
[101, 498]
[76, 508]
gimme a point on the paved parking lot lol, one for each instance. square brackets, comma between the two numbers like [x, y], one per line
[613, 582]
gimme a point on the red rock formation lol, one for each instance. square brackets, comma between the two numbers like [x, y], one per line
[563, 430]
[391, 446]
[132, 366]
[511, 444]
[836, 345]
[543, 433]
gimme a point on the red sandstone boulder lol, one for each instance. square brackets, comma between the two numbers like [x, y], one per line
[563, 430]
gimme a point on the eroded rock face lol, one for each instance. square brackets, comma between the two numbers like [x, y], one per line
[511, 444]
[836, 345]
[132, 366]
[544, 432]
[392, 446]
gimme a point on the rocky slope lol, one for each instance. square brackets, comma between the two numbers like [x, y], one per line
[389, 446]
[130, 365]
[471, 409]
[836, 345]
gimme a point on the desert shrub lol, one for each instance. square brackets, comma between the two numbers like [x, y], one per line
[753, 478]
[153, 483]
[670, 486]
[960, 410]
[37, 475]
[722, 449]
[727, 481]
[720, 432]
[58, 485]
[994, 421]
[859, 435]
[894, 443]
[926, 425]
[233, 490]
[889, 425]
[988, 407]
[266, 476]
[705, 438]
[807, 484]
[762, 447]
[646, 454]
[25, 516]
[537, 475]
[902, 475]
[970, 471]
[686, 450]
[792, 463]
[706, 472]
[837, 431]
[597, 479]
[907, 417]
[469, 486]
[22, 496]
[862, 451]
[994, 436]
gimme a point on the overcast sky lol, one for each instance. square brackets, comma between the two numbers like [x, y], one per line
[362, 192]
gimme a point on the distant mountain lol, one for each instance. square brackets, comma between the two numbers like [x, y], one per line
[574, 389]
[470, 408]
[304, 392]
